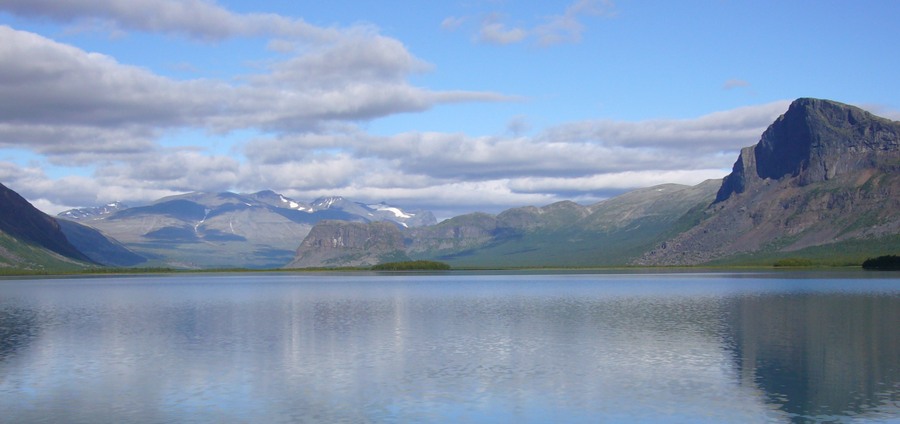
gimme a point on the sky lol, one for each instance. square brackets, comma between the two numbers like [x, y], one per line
[451, 106]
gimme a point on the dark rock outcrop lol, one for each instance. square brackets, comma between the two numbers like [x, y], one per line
[349, 244]
[823, 172]
[815, 141]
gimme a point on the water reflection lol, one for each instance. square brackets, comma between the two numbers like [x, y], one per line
[821, 357]
[438, 349]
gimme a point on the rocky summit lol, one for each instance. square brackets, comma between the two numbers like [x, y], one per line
[822, 173]
[342, 243]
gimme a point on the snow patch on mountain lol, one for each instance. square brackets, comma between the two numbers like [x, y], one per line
[94, 212]
[396, 211]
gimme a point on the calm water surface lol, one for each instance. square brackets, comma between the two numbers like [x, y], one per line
[770, 347]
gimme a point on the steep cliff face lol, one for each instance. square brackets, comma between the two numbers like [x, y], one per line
[457, 234]
[823, 172]
[815, 141]
[343, 243]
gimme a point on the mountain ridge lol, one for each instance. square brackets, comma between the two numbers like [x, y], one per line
[824, 176]
[823, 172]
[33, 240]
[228, 230]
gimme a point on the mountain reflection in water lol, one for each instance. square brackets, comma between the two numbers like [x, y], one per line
[455, 347]
[825, 356]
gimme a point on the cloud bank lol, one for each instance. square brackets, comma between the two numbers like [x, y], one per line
[306, 111]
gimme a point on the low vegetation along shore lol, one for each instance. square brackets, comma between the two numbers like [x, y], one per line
[881, 263]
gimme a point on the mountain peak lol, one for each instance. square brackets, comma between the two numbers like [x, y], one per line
[815, 140]
[327, 202]
[93, 212]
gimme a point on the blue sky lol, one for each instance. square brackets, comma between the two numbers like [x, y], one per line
[452, 106]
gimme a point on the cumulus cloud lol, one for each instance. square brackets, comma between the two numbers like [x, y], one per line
[307, 110]
[198, 19]
[59, 99]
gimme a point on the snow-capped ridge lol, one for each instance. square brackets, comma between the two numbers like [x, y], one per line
[93, 212]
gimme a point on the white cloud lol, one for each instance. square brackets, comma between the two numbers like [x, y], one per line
[617, 181]
[59, 99]
[583, 161]
[199, 19]
[74, 107]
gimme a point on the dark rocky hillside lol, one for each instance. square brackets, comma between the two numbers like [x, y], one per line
[33, 240]
[348, 244]
[822, 173]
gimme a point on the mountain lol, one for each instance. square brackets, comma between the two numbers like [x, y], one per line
[561, 234]
[94, 212]
[824, 178]
[32, 240]
[228, 230]
[375, 212]
[98, 247]
[341, 243]
[822, 183]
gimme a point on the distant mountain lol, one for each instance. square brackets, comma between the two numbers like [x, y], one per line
[98, 247]
[32, 240]
[375, 212]
[822, 183]
[824, 179]
[94, 212]
[227, 230]
[341, 243]
[611, 232]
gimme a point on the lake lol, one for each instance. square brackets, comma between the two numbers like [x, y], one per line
[454, 347]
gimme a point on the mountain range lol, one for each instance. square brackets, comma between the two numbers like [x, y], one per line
[228, 230]
[822, 185]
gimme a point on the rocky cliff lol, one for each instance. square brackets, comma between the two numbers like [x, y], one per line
[349, 244]
[822, 173]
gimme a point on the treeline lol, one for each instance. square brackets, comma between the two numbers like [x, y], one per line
[412, 266]
[889, 262]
